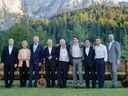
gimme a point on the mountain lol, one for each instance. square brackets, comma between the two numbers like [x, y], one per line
[43, 8]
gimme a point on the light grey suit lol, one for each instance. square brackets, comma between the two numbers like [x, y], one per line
[77, 67]
[114, 54]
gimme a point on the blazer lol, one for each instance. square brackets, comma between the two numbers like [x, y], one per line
[114, 53]
[37, 56]
[7, 58]
[58, 53]
[47, 54]
[89, 59]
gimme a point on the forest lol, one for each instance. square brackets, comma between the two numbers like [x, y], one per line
[85, 23]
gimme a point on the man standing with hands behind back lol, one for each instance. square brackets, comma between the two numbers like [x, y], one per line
[10, 60]
[89, 65]
[50, 66]
[114, 54]
[35, 61]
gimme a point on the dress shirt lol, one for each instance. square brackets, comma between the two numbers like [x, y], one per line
[10, 49]
[50, 50]
[101, 52]
[64, 55]
[35, 47]
[87, 50]
[110, 44]
[76, 51]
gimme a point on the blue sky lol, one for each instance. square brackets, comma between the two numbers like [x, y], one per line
[123, 0]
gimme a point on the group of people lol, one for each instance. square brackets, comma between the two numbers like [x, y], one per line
[87, 59]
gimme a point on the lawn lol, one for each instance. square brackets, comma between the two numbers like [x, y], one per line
[16, 91]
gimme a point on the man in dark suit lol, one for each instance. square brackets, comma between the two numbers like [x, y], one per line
[63, 58]
[35, 62]
[9, 59]
[50, 66]
[90, 68]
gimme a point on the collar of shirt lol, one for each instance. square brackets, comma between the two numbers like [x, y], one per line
[87, 50]
[35, 46]
[10, 49]
[50, 49]
[110, 44]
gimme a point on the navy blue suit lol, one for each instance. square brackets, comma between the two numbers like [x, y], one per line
[9, 61]
[36, 58]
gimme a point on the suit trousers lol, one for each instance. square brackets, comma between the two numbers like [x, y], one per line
[90, 74]
[62, 74]
[114, 76]
[23, 75]
[34, 75]
[50, 70]
[100, 71]
[8, 74]
[77, 71]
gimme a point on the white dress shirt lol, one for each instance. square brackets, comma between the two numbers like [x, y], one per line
[110, 44]
[64, 55]
[10, 49]
[76, 51]
[87, 50]
[50, 50]
[101, 52]
[35, 47]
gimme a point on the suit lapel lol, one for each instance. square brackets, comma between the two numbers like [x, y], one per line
[88, 52]
[48, 51]
[36, 48]
[11, 51]
[7, 50]
[112, 46]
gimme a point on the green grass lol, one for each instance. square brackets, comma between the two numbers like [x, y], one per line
[16, 91]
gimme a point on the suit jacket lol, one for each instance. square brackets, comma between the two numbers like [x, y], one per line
[7, 58]
[114, 53]
[37, 56]
[89, 59]
[58, 53]
[47, 54]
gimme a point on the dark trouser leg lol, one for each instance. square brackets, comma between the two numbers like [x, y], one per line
[47, 70]
[6, 75]
[59, 74]
[87, 79]
[30, 73]
[64, 75]
[11, 76]
[93, 76]
[36, 75]
[23, 75]
[100, 71]
[52, 75]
